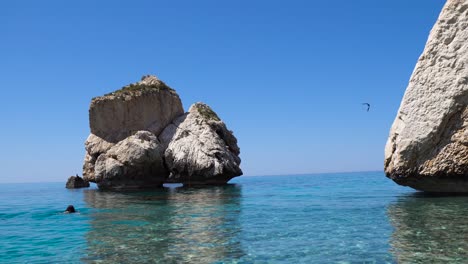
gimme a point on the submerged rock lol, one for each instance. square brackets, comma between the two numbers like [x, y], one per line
[200, 149]
[75, 182]
[428, 144]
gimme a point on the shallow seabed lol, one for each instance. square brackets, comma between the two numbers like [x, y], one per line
[322, 218]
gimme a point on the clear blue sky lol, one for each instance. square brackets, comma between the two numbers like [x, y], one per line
[288, 77]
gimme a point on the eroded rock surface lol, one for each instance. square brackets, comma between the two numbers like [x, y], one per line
[140, 138]
[95, 146]
[200, 148]
[146, 105]
[428, 144]
[134, 163]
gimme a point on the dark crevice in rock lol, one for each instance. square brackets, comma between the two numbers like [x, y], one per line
[445, 183]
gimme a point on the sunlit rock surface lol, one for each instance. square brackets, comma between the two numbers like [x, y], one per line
[134, 163]
[428, 144]
[140, 138]
[146, 105]
[200, 148]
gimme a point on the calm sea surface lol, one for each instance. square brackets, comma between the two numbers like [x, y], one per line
[323, 218]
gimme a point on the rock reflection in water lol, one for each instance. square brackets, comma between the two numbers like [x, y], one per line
[429, 229]
[179, 225]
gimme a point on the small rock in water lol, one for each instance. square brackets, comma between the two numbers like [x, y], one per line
[76, 182]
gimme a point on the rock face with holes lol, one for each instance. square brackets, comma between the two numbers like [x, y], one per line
[200, 148]
[428, 144]
[140, 138]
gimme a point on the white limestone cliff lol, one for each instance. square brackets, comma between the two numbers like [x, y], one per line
[428, 144]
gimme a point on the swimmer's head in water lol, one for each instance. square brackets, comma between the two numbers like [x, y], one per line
[70, 209]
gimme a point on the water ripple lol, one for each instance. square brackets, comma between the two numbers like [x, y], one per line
[327, 218]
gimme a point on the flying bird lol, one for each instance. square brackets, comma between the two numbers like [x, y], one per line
[368, 106]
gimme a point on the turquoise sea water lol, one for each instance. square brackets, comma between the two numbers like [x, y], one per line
[323, 218]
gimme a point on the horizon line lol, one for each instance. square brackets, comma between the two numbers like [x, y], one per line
[258, 175]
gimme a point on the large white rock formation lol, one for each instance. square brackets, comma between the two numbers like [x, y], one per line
[200, 149]
[428, 144]
[140, 138]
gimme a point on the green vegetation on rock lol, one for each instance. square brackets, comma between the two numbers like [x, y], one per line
[207, 112]
[142, 87]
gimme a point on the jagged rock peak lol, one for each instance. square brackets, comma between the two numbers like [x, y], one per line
[200, 149]
[149, 79]
[204, 111]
